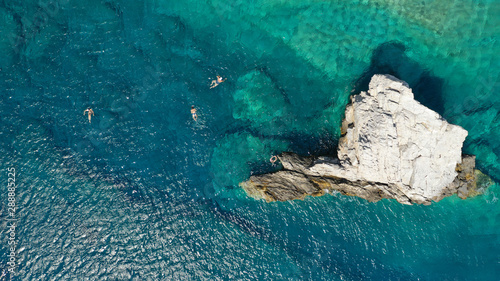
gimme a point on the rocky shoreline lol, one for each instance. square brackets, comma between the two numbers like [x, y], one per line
[392, 147]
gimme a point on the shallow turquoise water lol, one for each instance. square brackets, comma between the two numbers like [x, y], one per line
[145, 193]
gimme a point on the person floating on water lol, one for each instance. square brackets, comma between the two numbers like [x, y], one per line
[193, 112]
[273, 159]
[216, 82]
[90, 113]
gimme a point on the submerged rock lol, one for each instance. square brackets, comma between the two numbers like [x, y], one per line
[391, 147]
[258, 99]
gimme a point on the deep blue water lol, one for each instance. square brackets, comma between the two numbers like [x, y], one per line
[145, 193]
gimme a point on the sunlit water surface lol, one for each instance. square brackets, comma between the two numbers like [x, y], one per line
[145, 193]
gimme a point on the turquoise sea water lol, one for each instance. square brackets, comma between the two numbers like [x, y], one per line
[145, 193]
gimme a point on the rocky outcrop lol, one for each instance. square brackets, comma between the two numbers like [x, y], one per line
[391, 147]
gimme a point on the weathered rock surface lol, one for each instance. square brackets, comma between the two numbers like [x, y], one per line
[391, 147]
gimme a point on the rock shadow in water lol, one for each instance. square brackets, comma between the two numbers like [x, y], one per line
[390, 58]
[325, 144]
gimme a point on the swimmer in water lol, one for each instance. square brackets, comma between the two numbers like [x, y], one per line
[216, 82]
[193, 113]
[90, 112]
[273, 159]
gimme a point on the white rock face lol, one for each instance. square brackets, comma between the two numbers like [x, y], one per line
[392, 147]
[391, 138]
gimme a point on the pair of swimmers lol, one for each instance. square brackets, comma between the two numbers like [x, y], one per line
[214, 84]
[90, 113]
